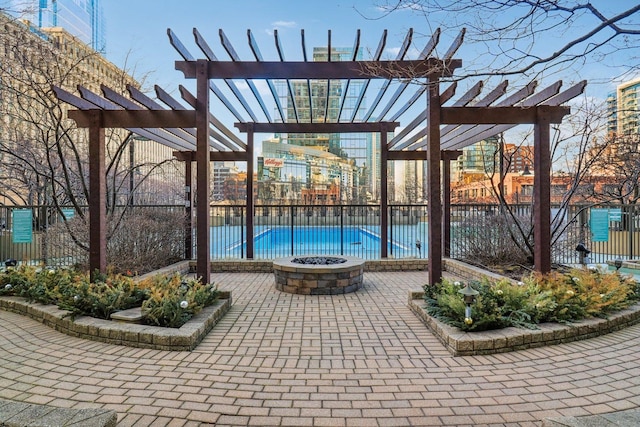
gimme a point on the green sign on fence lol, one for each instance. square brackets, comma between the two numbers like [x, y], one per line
[22, 230]
[599, 225]
[615, 214]
[68, 213]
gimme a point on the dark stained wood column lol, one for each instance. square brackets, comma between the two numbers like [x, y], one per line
[434, 208]
[384, 202]
[188, 202]
[97, 196]
[250, 200]
[542, 192]
[447, 157]
[203, 215]
[446, 206]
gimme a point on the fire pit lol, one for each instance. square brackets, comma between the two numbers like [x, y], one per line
[318, 275]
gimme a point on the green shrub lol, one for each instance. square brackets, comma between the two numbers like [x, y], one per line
[101, 298]
[173, 300]
[167, 301]
[554, 297]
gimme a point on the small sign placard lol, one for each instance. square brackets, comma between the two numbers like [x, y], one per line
[22, 225]
[599, 225]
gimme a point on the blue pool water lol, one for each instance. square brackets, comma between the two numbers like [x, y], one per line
[361, 241]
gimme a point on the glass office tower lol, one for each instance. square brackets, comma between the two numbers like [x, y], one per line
[81, 18]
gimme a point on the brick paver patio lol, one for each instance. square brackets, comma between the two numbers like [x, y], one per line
[281, 359]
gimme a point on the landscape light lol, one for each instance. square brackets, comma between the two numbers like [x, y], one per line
[469, 296]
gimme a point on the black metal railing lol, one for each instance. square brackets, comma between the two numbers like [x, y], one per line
[40, 234]
[292, 230]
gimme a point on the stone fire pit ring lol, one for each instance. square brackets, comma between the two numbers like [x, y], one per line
[309, 275]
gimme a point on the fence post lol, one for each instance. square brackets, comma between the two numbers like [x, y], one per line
[631, 210]
[241, 232]
[391, 229]
[341, 232]
[292, 211]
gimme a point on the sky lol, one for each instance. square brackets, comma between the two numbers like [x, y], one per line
[137, 36]
[138, 29]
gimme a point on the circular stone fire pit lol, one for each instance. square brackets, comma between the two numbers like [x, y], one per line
[318, 275]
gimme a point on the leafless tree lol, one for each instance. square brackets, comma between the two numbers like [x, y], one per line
[579, 152]
[527, 37]
[44, 155]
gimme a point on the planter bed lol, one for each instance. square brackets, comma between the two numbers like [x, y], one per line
[460, 343]
[186, 337]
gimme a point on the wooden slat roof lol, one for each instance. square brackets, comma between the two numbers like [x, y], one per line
[401, 74]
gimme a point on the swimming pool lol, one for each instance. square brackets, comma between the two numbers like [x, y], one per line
[280, 241]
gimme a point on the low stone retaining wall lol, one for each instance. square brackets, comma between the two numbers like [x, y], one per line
[318, 279]
[18, 414]
[182, 267]
[460, 343]
[266, 266]
[469, 272]
[239, 266]
[186, 337]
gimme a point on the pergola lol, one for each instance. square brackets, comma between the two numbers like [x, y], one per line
[435, 134]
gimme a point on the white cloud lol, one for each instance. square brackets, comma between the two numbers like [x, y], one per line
[284, 24]
[280, 25]
[391, 52]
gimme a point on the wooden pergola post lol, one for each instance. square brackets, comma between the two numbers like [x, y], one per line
[384, 201]
[250, 199]
[97, 196]
[447, 157]
[542, 191]
[188, 202]
[434, 208]
[203, 214]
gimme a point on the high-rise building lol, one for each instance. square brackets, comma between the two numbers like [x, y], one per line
[622, 109]
[331, 101]
[483, 159]
[30, 122]
[83, 19]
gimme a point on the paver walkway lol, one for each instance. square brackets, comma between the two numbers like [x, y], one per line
[355, 359]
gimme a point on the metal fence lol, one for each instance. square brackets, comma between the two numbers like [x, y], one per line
[46, 235]
[39, 234]
[614, 233]
[319, 230]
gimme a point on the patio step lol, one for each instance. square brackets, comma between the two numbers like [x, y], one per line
[132, 315]
[18, 414]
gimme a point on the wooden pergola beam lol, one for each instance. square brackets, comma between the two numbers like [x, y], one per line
[422, 155]
[501, 115]
[138, 118]
[346, 127]
[214, 156]
[324, 70]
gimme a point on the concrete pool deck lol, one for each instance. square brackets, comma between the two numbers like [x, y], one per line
[356, 359]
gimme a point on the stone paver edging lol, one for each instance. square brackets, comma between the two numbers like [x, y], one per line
[186, 337]
[19, 414]
[461, 343]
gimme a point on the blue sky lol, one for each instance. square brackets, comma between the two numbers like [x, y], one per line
[138, 28]
[137, 39]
